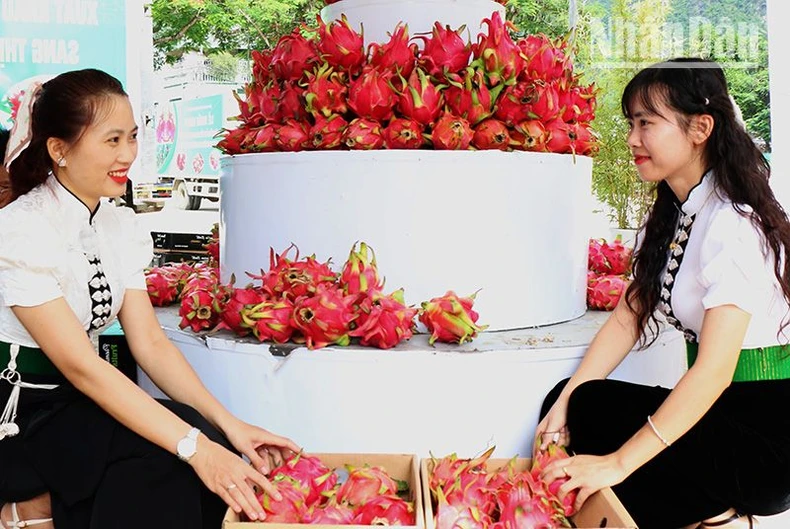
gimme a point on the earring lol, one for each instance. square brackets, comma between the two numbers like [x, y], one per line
[61, 162]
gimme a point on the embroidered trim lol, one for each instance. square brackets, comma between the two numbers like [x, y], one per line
[677, 251]
[100, 294]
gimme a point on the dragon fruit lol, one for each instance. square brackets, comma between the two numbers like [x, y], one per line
[420, 99]
[491, 134]
[365, 484]
[261, 66]
[569, 138]
[529, 136]
[384, 321]
[330, 514]
[520, 507]
[340, 45]
[327, 133]
[325, 318]
[545, 59]
[292, 136]
[360, 273]
[446, 470]
[605, 291]
[310, 472]
[451, 133]
[371, 96]
[233, 312]
[445, 53]
[292, 105]
[385, 510]
[450, 319]
[292, 508]
[292, 56]
[402, 133]
[554, 452]
[363, 134]
[162, 290]
[326, 92]
[271, 320]
[200, 310]
[513, 104]
[472, 489]
[459, 516]
[471, 99]
[396, 56]
[294, 278]
[617, 256]
[231, 141]
[497, 53]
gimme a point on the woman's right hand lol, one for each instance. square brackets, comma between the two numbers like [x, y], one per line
[231, 478]
[553, 427]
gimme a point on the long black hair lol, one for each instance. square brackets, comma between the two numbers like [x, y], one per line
[692, 87]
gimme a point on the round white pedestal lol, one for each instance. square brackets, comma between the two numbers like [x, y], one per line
[379, 17]
[512, 225]
[415, 398]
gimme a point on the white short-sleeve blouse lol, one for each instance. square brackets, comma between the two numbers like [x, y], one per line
[727, 262]
[46, 237]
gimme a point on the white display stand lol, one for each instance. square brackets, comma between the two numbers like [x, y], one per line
[510, 224]
[411, 399]
[377, 18]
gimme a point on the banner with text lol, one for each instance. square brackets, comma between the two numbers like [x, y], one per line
[42, 38]
[185, 137]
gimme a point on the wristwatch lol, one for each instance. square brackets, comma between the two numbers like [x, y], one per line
[187, 446]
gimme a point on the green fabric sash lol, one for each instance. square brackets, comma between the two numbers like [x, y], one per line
[761, 363]
[29, 360]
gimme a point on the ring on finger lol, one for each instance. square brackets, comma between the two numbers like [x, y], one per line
[231, 486]
[565, 471]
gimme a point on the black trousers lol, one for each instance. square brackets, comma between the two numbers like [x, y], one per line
[737, 455]
[100, 474]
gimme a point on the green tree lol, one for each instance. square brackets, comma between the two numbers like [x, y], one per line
[223, 66]
[233, 26]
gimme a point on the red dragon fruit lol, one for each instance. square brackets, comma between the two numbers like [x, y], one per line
[554, 452]
[325, 318]
[459, 516]
[291, 104]
[363, 134]
[267, 101]
[450, 319]
[232, 317]
[365, 484]
[292, 508]
[512, 104]
[360, 273]
[546, 60]
[578, 103]
[491, 134]
[231, 141]
[617, 255]
[200, 310]
[566, 138]
[497, 53]
[371, 96]
[471, 99]
[271, 321]
[451, 133]
[340, 45]
[327, 133]
[519, 506]
[292, 136]
[544, 101]
[293, 56]
[445, 470]
[396, 56]
[604, 292]
[326, 92]
[403, 133]
[421, 100]
[330, 514]
[529, 135]
[294, 278]
[445, 53]
[311, 473]
[162, 290]
[261, 66]
[250, 107]
[472, 489]
[385, 510]
[384, 321]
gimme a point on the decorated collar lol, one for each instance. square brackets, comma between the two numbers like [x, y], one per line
[73, 206]
[698, 195]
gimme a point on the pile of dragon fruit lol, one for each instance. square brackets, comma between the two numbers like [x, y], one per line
[465, 495]
[320, 89]
[304, 301]
[312, 493]
[609, 265]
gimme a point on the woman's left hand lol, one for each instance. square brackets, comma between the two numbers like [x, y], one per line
[264, 449]
[588, 474]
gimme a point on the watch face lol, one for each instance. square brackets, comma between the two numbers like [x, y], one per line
[186, 448]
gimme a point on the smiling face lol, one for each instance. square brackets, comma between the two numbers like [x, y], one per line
[97, 165]
[666, 145]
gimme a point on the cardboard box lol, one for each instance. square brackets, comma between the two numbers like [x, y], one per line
[602, 509]
[114, 349]
[403, 467]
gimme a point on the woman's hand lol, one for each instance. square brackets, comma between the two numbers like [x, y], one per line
[588, 474]
[264, 449]
[231, 478]
[552, 429]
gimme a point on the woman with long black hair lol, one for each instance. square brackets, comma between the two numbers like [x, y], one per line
[710, 261]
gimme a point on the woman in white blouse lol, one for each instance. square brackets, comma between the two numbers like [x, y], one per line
[715, 449]
[77, 438]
